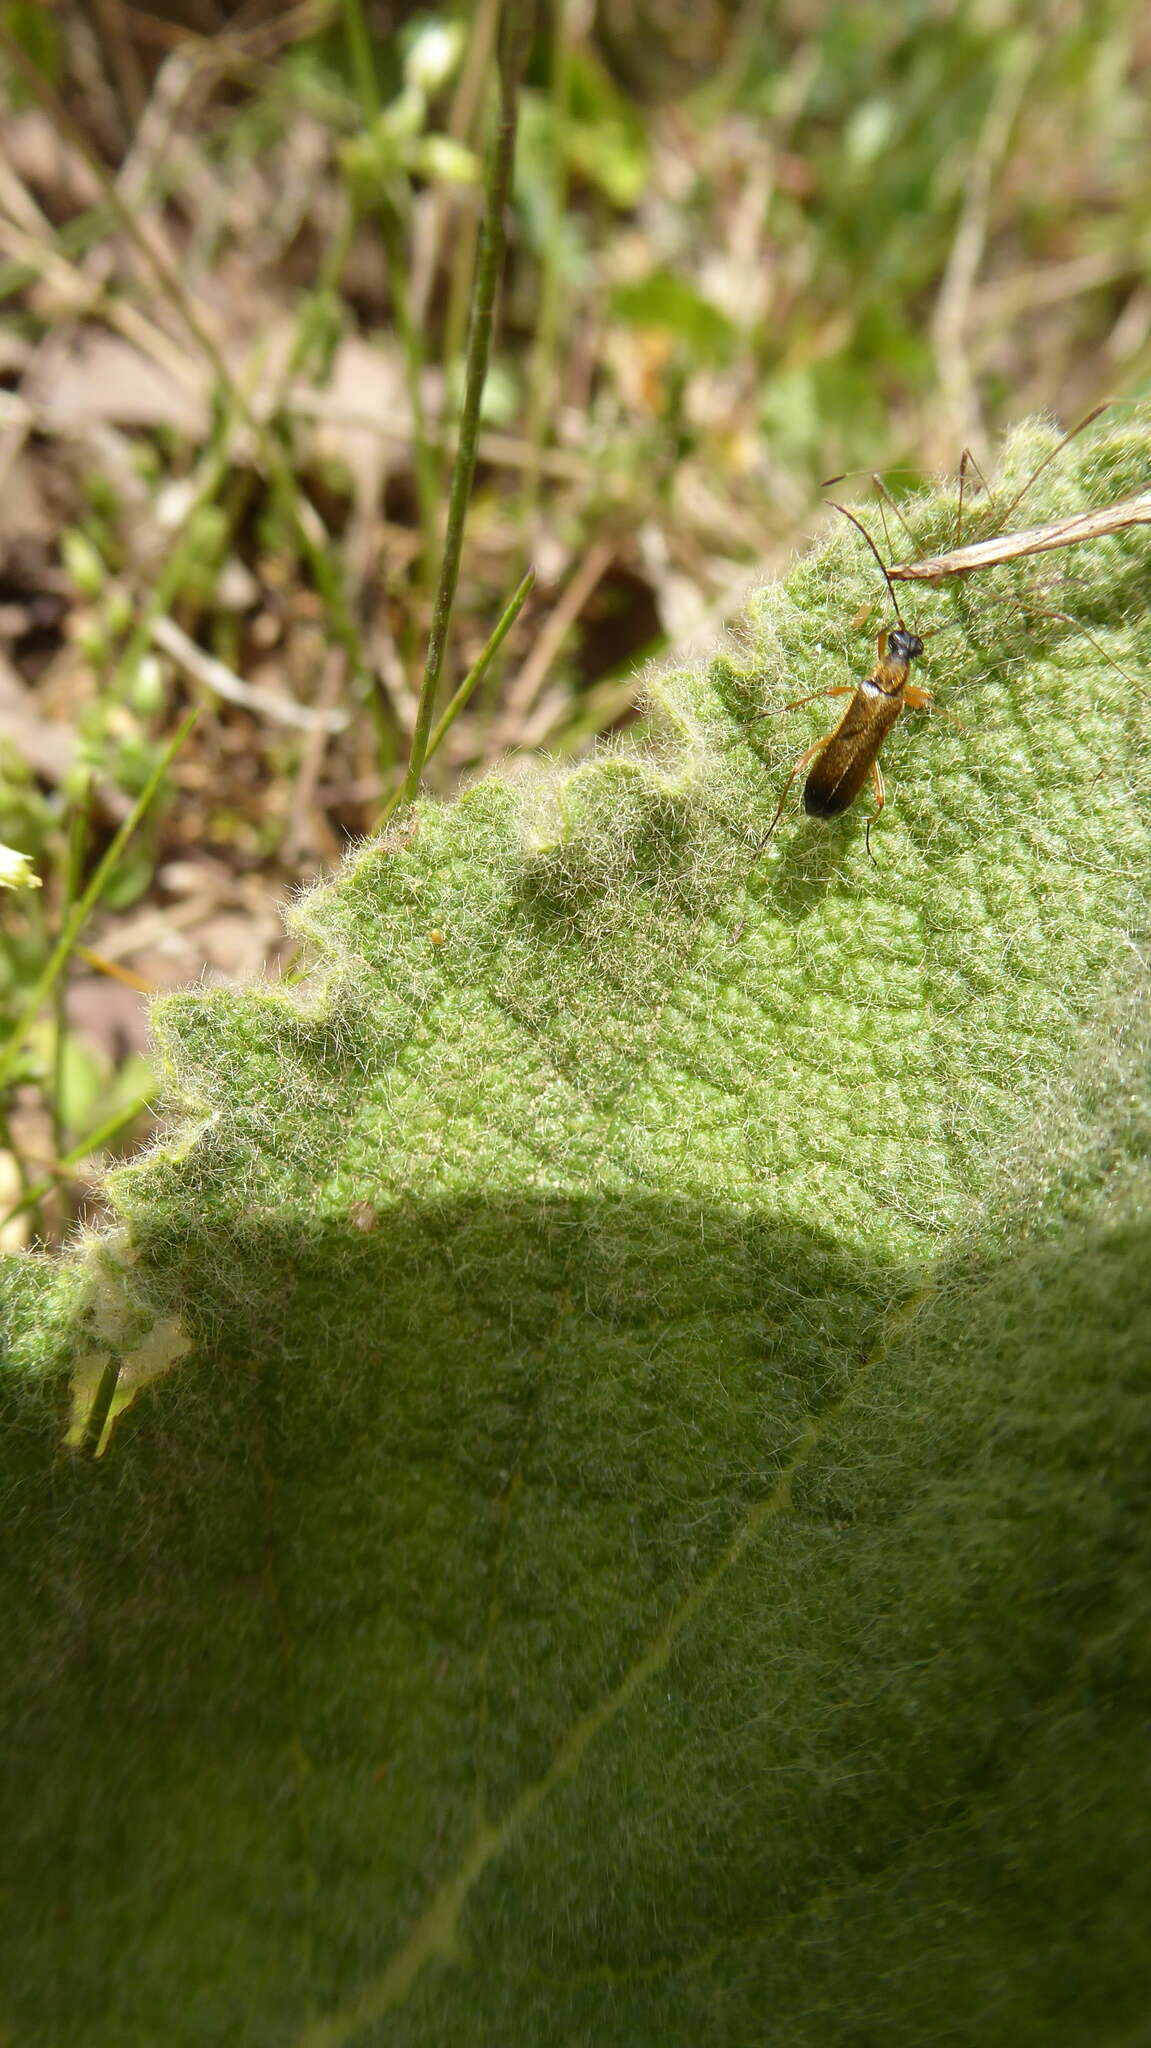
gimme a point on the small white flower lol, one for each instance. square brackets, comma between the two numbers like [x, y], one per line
[16, 871]
[433, 55]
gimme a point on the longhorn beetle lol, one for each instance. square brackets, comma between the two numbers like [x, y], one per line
[844, 758]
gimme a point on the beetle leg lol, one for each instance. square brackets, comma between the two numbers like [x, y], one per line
[880, 800]
[777, 710]
[808, 754]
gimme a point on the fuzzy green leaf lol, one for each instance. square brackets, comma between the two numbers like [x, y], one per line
[642, 1535]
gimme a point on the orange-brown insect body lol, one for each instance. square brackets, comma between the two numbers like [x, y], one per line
[842, 762]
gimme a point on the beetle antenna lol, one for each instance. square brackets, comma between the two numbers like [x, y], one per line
[1048, 459]
[861, 528]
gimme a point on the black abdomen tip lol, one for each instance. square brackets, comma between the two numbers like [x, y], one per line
[823, 803]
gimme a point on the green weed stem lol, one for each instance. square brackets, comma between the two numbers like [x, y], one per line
[489, 265]
[360, 51]
[395, 256]
[461, 122]
[471, 682]
[542, 377]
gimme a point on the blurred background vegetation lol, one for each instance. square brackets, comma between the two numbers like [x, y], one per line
[749, 245]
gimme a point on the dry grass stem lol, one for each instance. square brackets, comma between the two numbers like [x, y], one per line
[1031, 540]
